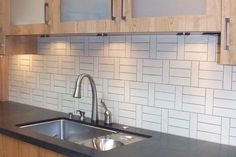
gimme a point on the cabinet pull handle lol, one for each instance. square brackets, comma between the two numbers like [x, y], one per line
[123, 17]
[46, 20]
[227, 27]
[113, 18]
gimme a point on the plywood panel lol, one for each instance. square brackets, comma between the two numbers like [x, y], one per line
[14, 148]
[228, 35]
[3, 78]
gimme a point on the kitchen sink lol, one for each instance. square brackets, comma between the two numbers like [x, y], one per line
[67, 130]
[90, 136]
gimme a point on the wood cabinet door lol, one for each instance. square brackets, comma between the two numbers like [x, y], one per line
[3, 78]
[10, 147]
[81, 16]
[228, 34]
[27, 17]
[1, 28]
[1, 146]
[171, 16]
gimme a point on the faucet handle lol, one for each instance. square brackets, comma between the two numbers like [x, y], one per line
[107, 114]
[81, 115]
[71, 116]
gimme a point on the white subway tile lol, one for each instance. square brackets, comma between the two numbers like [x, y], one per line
[195, 74]
[178, 131]
[230, 113]
[232, 141]
[210, 75]
[166, 72]
[211, 66]
[180, 81]
[166, 38]
[152, 110]
[127, 106]
[127, 114]
[152, 118]
[227, 84]
[151, 96]
[216, 129]
[193, 108]
[223, 103]
[232, 132]
[179, 98]
[208, 136]
[178, 123]
[139, 100]
[233, 123]
[166, 55]
[180, 53]
[153, 46]
[196, 56]
[128, 69]
[193, 125]
[225, 132]
[165, 96]
[179, 114]
[195, 47]
[165, 88]
[128, 61]
[127, 121]
[180, 64]
[140, 38]
[212, 46]
[165, 104]
[151, 126]
[209, 119]
[180, 73]
[196, 39]
[209, 101]
[210, 84]
[164, 120]
[194, 91]
[116, 83]
[194, 99]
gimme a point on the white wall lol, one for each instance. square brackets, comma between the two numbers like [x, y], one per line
[165, 83]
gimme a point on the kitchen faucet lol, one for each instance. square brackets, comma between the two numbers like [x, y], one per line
[77, 94]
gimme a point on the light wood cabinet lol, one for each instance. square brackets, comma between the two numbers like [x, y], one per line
[132, 16]
[3, 62]
[3, 78]
[85, 16]
[10, 147]
[27, 17]
[1, 29]
[228, 34]
[170, 16]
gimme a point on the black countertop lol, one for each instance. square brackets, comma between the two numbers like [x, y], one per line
[159, 145]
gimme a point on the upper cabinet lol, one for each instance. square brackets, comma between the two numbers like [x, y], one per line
[84, 16]
[112, 16]
[27, 17]
[1, 29]
[171, 15]
[228, 34]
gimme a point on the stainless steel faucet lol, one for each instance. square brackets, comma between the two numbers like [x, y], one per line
[77, 94]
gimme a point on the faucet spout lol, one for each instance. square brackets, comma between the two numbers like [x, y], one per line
[77, 94]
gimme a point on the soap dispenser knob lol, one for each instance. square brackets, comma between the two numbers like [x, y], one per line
[107, 114]
[71, 116]
[81, 115]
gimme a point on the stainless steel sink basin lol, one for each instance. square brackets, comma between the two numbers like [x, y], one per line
[105, 144]
[67, 130]
[94, 137]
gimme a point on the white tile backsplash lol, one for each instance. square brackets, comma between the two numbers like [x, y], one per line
[164, 83]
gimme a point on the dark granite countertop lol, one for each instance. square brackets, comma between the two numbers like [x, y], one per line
[159, 145]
